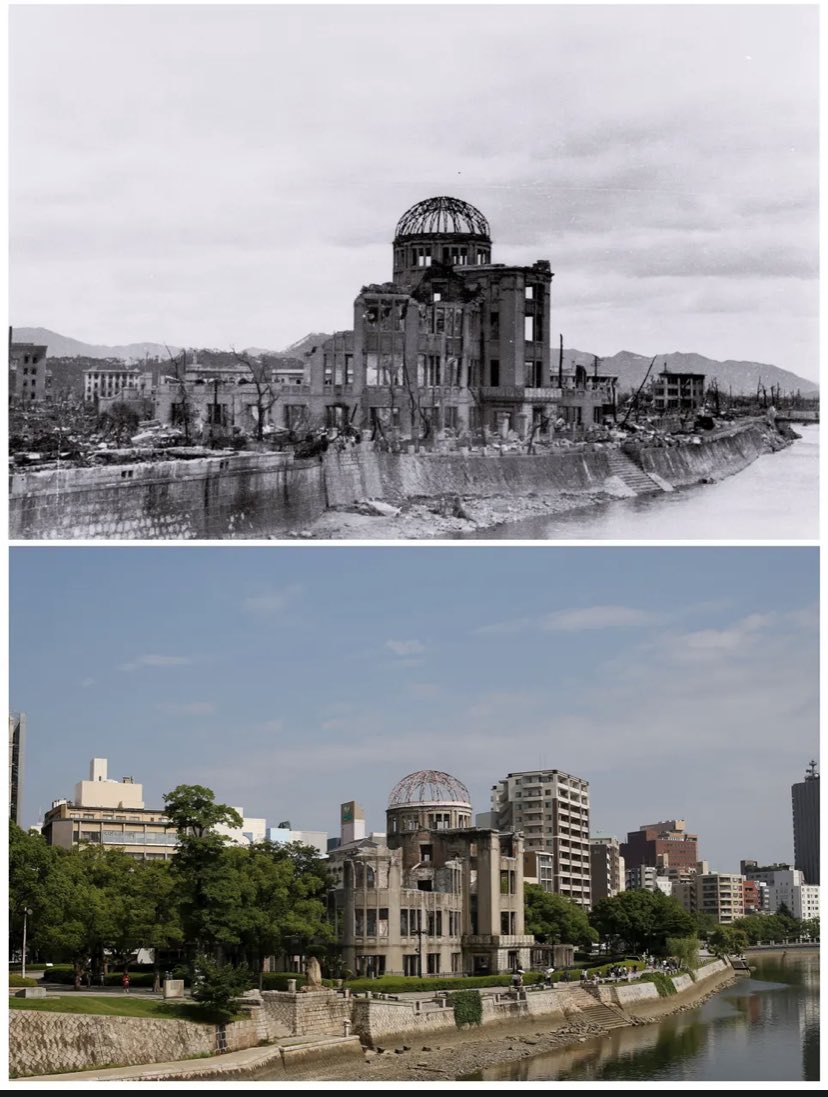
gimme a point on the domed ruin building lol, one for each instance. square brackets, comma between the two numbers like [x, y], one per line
[434, 894]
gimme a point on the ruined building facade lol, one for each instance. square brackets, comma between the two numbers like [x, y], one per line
[453, 340]
[434, 895]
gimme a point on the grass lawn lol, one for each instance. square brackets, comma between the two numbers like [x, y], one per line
[112, 1005]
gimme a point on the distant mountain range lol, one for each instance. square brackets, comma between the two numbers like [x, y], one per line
[741, 377]
[630, 368]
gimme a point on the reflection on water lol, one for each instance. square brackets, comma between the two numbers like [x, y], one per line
[777, 497]
[765, 1028]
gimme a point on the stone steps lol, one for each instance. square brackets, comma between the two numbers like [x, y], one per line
[627, 470]
[605, 1015]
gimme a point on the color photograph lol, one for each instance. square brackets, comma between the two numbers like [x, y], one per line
[378, 826]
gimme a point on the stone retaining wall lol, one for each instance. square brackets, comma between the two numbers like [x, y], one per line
[714, 459]
[260, 494]
[48, 1043]
[314, 1013]
[215, 497]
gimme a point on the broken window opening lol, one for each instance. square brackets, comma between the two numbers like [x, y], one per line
[494, 372]
[529, 328]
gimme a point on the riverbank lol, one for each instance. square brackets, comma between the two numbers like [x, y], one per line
[365, 494]
[449, 1056]
[458, 496]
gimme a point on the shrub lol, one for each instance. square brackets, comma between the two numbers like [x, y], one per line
[664, 984]
[21, 981]
[468, 1007]
[217, 986]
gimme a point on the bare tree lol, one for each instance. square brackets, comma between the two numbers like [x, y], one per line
[179, 373]
[266, 396]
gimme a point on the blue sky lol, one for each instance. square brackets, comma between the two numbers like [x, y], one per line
[679, 682]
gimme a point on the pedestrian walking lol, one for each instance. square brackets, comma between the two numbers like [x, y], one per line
[125, 982]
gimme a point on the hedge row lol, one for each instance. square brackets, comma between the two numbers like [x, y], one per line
[21, 981]
[66, 977]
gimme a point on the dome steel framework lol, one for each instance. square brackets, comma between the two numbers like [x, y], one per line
[429, 786]
[442, 216]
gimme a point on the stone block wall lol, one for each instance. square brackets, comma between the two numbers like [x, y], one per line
[315, 1013]
[242, 495]
[49, 1043]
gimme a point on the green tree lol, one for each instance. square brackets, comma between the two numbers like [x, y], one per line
[212, 887]
[705, 923]
[641, 920]
[216, 986]
[810, 928]
[33, 874]
[556, 918]
[727, 940]
[685, 950]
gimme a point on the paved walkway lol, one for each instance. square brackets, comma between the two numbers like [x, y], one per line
[291, 1051]
[231, 1062]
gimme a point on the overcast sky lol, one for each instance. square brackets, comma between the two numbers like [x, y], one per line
[679, 682]
[223, 176]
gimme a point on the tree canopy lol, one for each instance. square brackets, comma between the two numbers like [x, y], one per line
[557, 919]
[641, 920]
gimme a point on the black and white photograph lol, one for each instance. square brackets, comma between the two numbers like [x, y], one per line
[413, 546]
[414, 271]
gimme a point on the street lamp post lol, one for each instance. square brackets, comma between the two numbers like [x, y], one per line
[26, 912]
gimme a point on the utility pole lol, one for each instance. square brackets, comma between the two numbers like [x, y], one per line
[26, 913]
[560, 364]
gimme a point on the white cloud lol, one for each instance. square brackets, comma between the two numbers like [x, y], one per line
[87, 682]
[574, 620]
[157, 661]
[187, 708]
[405, 647]
[597, 617]
[272, 601]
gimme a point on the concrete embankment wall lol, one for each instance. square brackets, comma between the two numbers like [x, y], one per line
[378, 1019]
[250, 495]
[360, 474]
[259, 494]
[243, 495]
[713, 459]
[49, 1043]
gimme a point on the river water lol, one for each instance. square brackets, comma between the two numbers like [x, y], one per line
[775, 498]
[762, 1028]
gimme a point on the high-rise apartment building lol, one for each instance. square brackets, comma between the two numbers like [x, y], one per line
[607, 869]
[551, 809]
[17, 749]
[805, 797]
[721, 895]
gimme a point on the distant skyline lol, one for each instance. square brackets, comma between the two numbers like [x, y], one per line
[679, 682]
[225, 176]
